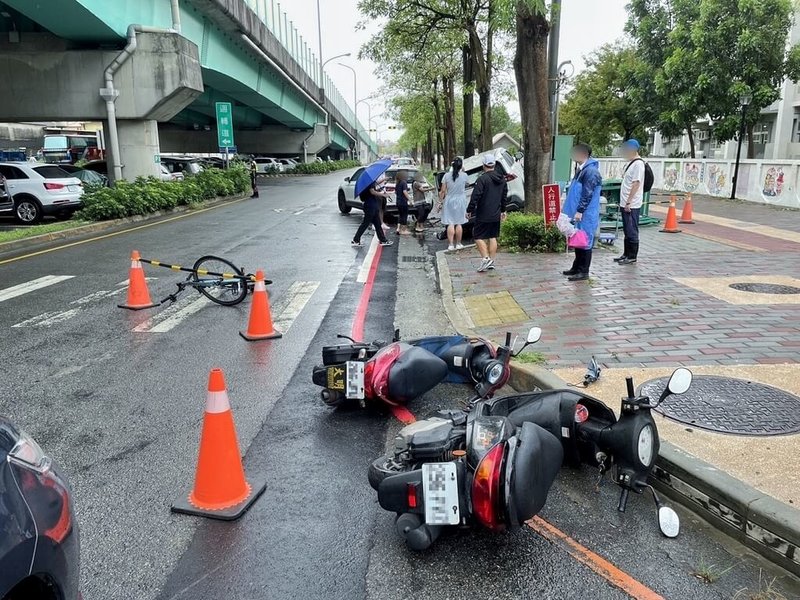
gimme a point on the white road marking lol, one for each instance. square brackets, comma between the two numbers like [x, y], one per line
[173, 316]
[127, 282]
[101, 295]
[49, 319]
[297, 297]
[31, 286]
[363, 272]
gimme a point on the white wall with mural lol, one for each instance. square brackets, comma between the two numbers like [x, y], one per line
[764, 181]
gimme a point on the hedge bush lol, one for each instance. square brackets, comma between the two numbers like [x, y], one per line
[522, 232]
[149, 195]
[321, 168]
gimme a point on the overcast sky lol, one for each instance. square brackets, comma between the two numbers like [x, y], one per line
[586, 25]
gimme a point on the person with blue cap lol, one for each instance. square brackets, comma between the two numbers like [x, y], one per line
[631, 197]
[583, 207]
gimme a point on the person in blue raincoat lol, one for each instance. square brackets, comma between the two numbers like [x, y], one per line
[583, 207]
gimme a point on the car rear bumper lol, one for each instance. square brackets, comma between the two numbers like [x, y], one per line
[61, 206]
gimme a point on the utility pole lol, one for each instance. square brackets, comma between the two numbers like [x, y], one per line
[552, 72]
[321, 64]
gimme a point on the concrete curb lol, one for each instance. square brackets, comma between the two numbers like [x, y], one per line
[68, 234]
[751, 517]
[759, 521]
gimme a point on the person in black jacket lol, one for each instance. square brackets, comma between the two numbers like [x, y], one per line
[488, 206]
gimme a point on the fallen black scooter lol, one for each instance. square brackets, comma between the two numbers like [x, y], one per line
[404, 370]
[494, 465]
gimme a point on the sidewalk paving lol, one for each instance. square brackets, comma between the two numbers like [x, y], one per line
[675, 307]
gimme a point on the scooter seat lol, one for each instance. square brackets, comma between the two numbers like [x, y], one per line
[537, 461]
[415, 372]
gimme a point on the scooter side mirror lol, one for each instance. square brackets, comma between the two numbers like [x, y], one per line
[668, 522]
[534, 335]
[679, 383]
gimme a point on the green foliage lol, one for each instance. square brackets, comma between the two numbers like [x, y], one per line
[320, 168]
[740, 45]
[602, 104]
[149, 195]
[523, 232]
[699, 56]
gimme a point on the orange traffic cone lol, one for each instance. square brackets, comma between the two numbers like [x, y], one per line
[671, 226]
[686, 216]
[138, 294]
[220, 488]
[260, 326]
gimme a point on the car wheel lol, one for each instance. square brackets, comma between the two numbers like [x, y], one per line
[515, 204]
[343, 208]
[27, 210]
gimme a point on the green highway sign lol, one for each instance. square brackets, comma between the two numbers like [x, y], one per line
[225, 125]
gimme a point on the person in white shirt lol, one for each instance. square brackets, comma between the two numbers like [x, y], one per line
[630, 201]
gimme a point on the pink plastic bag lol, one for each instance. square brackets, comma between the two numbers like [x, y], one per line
[579, 240]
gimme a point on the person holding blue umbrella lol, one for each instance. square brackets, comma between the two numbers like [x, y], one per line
[370, 191]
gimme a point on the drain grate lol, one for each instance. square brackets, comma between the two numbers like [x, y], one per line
[729, 405]
[765, 288]
[415, 259]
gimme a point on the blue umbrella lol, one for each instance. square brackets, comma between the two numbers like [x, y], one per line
[371, 175]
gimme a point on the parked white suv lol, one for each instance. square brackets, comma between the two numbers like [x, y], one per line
[38, 190]
[268, 165]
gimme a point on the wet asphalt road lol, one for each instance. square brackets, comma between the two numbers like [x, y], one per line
[121, 411]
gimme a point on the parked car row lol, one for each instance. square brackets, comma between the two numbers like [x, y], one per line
[33, 190]
[266, 164]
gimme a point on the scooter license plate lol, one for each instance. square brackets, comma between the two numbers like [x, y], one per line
[440, 489]
[355, 380]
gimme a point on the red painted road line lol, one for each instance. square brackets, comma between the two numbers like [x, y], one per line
[357, 332]
[612, 574]
[401, 413]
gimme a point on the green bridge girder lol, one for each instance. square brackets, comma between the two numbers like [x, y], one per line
[233, 73]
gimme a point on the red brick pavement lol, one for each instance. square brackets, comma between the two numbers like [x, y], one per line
[637, 314]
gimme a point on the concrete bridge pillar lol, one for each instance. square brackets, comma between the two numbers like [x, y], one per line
[138, 147]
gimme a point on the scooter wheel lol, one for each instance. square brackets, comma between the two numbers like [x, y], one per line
[379, 470]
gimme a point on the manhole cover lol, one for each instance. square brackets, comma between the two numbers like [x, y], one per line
[765, 288]
[728, 405]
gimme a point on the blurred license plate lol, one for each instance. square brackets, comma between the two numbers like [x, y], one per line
[74, 188]
[355, 380]
[440, 488]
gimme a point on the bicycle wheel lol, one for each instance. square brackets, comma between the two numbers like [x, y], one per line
[227, 287]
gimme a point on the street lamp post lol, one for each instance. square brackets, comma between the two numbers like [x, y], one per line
[744, 102]
[355, 93]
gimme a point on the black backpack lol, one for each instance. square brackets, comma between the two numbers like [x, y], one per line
[649, 178]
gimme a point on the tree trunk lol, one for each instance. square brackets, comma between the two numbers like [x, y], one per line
[430, 149]
[437, 113]
[751, 146]
[483, 81]
[469, 102]
[449, 119]
[530, 65]
[690, 133]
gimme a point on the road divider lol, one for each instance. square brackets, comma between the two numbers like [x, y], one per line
[220, 489]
